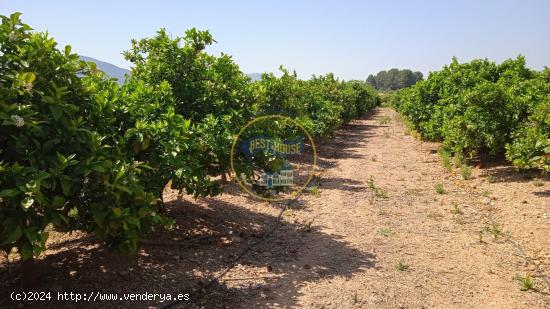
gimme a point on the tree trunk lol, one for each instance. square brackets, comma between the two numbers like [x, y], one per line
[161, 206]
[29, 277]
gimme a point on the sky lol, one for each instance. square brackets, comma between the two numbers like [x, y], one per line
[352, 39]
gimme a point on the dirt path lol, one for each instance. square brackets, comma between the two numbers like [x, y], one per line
[408, 248]
[375, 234]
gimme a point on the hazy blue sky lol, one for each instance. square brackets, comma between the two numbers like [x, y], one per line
[349, 38]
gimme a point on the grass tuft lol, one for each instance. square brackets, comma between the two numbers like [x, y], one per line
[527, 283]
[495, 230]
[538, 183]
[402, 266]
[456, 209]
[445, 159]
[386, 232]
[465, 171]
[314, 190]
[439, 188]
[384, 120]
[376, 191]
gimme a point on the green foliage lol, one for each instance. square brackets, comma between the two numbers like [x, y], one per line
[527, 283]
[63, 160]
[384, 120]
[394, 79]
[465, 171]
[495, 230]
[376, 191]
[321, 104]
[456, 210]
[386, 231]
[445, 159]
[314, 190]
[210, 91]
[481, 108]
[531, 141]
[439, 189]
[79, 151]
[402, 266]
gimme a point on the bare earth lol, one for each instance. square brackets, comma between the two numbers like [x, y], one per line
[375, 234]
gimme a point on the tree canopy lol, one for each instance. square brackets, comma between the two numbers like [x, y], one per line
[394, 79]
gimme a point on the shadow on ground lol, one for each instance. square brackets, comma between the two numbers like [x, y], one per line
[170, 263]
[81, 265]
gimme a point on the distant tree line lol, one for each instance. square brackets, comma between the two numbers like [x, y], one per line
[394, 79]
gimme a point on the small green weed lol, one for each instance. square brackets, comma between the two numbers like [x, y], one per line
[376, 191]
[386, 231]
[456, 209]
[384, 120]
[458, 159]
[439, 188]
[445, 159]
[314, 190]
[465, 171]
[402, 266]
[527, 283]
[495, 230]
[538, 183]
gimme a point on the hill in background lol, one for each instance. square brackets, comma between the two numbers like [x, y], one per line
[110, 69]
[120, 73]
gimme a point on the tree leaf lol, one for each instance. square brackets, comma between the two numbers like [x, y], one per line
[98, 168]
[27, 202]
[66, 186]
[57, 112]
[117, 211]
[8, 192]
[26, 251]
[13, 236]
[58, 201]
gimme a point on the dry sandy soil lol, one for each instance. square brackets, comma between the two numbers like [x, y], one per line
[373, 234]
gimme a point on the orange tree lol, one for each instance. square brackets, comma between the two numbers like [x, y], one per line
[483, 108]
[78, 151]
[64, 158]
[321, 104]
[210, 91]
